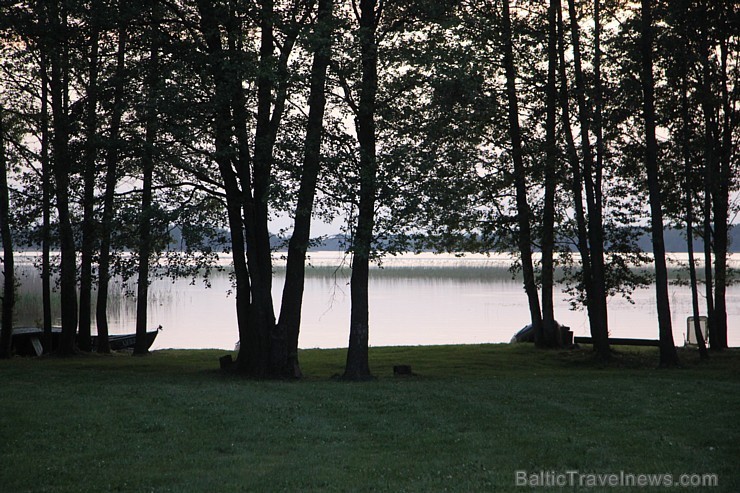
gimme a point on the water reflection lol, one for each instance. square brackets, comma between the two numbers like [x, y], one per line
[414, 300]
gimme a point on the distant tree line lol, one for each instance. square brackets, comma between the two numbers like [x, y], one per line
[563, 128]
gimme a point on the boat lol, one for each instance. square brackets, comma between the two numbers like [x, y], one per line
[526, 334]
[119, 342]
[28, 341]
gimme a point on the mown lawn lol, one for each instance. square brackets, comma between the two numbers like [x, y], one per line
[472, 418]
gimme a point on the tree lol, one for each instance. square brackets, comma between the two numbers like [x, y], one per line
[357, 366]
[87, 247]
[688, 195]
[111, 165]
[47, 192]
[8, 299]
[245, 163]
[151, 130]
[290, 306]
[676, 42]
[722, 125]
[668, 355]
[520, 175]
[234, 196]
[265, 350]
[56, 45]
[590, 228]
[551, 167]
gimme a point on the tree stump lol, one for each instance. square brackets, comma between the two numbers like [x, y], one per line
[402, 371]
[226, 362]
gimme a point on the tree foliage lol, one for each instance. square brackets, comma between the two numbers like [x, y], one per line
[154, 137]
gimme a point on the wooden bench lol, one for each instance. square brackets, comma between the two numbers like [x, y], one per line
[620, 341]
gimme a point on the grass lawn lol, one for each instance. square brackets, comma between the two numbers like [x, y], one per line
[472, 418]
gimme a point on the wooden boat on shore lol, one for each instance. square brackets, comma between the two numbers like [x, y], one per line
[28, 341]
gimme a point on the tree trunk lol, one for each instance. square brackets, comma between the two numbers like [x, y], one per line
[358, 366]
[688, 202]
[46, 192]
[111, 163]
[62, 169]
[709, 178]
[147, 206]
[256, 212]
[84, 338]
[721, 208]
[262, 352]
[600, 332]
[596, 216]
[8, 300]
[668, 355]
[292, 300]
[577, 189]
[552, 335]
[520, 179]
[707, 234]
[226, 91]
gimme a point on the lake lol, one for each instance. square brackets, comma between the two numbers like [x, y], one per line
[415, 300]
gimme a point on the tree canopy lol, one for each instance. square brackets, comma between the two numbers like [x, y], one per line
[555, 130]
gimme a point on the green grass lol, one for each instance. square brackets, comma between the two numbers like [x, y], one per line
[472, 417]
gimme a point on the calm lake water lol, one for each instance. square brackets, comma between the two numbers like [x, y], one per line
[414, 299]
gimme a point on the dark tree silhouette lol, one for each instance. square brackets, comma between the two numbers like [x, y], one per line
[551, 336]
[523, 211]
[84, 339]
[358, 366]
[590, 173]
[668, 355]
[111, 165]
[8, 299]
[56, 45]
[147, 163]
[290, 306]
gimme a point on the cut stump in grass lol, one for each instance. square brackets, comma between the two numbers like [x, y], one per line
[403, 371]
[226, 362]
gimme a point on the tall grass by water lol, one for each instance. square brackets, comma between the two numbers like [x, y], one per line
[424, 299]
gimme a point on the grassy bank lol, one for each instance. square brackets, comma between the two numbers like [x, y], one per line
[473, 417]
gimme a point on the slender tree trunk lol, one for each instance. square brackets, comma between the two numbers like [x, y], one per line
[709, 177]
[147, 206]
[552, 335]
[707, 234]
[8, 300]
[292, 300]
[253, 355]
[600, 332]
[84, 338]
[721, 230]
[62, 169]
[692, 276]
[227, 93]
[520, 178]
[46, 193]
[264, 139]
[358, 366]
[668, 355]
[721, 208]
[597, 224]
[111, 163]
[577, 184]
[685, 136]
